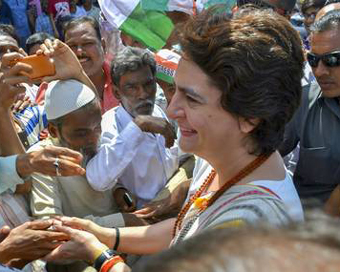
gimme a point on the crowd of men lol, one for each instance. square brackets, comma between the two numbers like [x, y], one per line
[94, 140]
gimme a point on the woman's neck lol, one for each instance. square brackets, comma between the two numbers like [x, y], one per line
[271, 169]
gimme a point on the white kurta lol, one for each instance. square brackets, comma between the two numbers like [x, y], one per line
[135, 159]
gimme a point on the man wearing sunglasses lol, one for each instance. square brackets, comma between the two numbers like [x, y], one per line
[316, 125]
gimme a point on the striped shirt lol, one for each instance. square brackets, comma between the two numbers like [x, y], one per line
[32, 121]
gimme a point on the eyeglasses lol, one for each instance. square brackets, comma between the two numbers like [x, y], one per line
[331, 59]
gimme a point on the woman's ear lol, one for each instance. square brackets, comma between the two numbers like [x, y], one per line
[248, 125]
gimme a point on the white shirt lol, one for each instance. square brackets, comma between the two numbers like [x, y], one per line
[138, 159]
[285, 188]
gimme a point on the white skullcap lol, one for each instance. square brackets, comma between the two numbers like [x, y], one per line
[66, 96]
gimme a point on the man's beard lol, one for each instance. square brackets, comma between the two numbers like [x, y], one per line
[88, 152]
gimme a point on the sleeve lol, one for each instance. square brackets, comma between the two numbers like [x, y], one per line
[108, 221]
[248, 211]
[9, 177]
[290, 138]
[45, 197]
[114, 155]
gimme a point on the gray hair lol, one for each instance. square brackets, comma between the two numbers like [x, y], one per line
[330, 21]
[131, 59]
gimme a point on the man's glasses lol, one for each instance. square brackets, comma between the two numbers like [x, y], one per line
[331, 59]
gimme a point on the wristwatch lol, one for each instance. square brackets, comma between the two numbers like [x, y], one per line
[106, 254]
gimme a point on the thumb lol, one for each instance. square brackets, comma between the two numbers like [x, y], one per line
[5, 230]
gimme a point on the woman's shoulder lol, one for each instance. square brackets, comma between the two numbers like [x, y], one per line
[249, 204]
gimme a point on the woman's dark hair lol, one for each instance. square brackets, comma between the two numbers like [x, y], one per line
[256, 61]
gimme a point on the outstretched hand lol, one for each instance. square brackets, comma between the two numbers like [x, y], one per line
[30, 241]
[82, 245]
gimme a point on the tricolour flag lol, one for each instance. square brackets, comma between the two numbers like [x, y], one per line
[149, 27]
[228, 4]
[187, 6]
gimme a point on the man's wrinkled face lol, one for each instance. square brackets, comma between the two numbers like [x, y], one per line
[85, 43]
[137, 91]
[80, 130]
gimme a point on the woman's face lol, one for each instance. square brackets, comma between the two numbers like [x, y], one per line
[206, 128]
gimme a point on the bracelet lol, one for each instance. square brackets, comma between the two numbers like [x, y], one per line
[102, 258]
[115, 247]
[111, 263]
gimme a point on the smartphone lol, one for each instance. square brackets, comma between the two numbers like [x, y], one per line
[128, 199]
[42, 66]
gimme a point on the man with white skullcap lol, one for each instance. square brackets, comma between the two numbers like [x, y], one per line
[74, 116]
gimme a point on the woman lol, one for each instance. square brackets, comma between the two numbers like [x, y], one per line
[238, 84]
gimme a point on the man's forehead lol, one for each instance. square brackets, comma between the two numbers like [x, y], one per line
[325, 41]
[140, 75]
[8, 41]
[84, 30]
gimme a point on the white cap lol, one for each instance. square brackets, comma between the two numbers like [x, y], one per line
[65, 96]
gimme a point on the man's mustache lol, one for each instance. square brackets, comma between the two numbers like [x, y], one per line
[145, 103]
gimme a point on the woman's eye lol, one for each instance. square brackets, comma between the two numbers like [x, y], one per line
[190, 99]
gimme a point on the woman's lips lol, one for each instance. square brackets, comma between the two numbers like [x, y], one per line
[187, 132]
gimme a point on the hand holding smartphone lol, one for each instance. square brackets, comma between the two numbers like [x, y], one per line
[42, 66]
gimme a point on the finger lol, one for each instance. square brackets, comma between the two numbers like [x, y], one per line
[54, 255]
[22, 52]
[55, 235]
[17, 105]
[67, 168]
[18, 69]
[24, 105]
[44, 48]
[39, 224]
[75, 222]
[66, 230]
[65, 153]
[5, 230]
[147, 215]
[13, 80]
[9, 58]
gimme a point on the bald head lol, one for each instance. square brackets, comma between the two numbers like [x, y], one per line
[327, 9]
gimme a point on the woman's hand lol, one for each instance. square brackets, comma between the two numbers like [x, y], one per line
[82, 245]
[106, 236]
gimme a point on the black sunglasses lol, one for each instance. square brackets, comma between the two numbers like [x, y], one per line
[331, 59]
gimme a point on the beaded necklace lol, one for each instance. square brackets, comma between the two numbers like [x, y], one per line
[209, 179]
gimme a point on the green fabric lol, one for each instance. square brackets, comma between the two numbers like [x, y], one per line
[149, 27]
[155, 4]
[164, 77]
